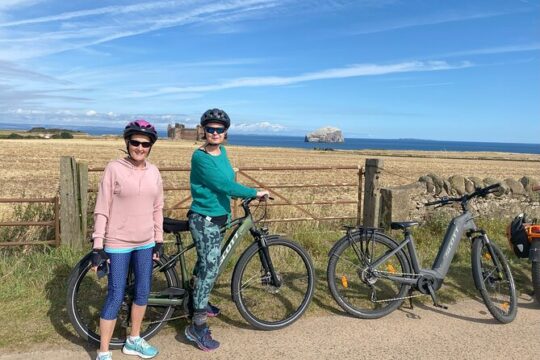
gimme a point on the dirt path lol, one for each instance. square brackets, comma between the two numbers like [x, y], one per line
[464, 331]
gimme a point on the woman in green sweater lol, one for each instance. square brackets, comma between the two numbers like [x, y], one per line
[212, 186]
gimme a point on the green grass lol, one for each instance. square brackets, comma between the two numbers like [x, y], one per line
[33, 282]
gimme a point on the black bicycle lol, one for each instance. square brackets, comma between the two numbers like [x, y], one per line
[272, 283]
[370, 274]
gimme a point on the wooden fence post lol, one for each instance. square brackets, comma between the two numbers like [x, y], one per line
[82, 172]
[360, 191]
[372, 192]
[235, 201]
[73, 201]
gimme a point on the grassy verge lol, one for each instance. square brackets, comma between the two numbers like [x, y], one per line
[33, 283]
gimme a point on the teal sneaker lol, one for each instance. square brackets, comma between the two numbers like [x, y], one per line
[140, 348]
[105, 356]
[203, 338]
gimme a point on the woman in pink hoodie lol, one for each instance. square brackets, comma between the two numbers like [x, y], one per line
[128, 231]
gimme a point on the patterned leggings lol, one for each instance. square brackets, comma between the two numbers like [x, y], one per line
[141, 263]
[207, 240]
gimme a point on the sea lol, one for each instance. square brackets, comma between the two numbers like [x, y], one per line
[349, 144]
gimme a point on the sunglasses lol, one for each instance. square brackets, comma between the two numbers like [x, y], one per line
[135, 143]
[213, 130]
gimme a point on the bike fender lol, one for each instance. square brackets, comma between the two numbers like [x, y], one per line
[534, 251]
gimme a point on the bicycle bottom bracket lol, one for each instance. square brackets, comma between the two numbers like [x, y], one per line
[424, 282]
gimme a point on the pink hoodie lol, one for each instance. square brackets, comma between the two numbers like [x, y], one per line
[129, 206]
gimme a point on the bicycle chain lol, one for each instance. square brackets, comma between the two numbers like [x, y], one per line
[397, 298]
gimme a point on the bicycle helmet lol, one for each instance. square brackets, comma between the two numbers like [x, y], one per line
[216, 116]
[141, 127]
[517, 236]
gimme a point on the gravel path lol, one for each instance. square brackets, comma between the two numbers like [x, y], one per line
[465, 331]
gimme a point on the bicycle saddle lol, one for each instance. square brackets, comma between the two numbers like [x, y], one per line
[403, 224]
[174, 226]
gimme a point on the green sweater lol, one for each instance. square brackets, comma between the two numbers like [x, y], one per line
[212, 184]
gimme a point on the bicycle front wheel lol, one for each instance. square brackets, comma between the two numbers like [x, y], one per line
[361, 288]
[265, 305]
[494, 280]
[86, 295]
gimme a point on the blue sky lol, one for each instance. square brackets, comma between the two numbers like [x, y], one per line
[443, 70]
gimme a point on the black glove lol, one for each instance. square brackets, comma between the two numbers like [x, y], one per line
[158, 249]
[99, 256]
[100, 260]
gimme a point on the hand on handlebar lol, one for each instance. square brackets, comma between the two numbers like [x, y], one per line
[263, 195]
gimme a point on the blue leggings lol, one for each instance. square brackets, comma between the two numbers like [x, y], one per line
[141, 263]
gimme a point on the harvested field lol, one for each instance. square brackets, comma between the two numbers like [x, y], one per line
[30, 167]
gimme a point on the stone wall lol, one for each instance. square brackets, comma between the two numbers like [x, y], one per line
[407, 202]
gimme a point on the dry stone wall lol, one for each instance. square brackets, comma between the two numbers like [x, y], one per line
[407, 202]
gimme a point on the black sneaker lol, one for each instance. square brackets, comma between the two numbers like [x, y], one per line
[203, 338]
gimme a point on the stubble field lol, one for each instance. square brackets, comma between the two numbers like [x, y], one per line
[31, 167]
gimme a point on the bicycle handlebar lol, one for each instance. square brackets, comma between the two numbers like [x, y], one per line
[247, 201]
[463, 199]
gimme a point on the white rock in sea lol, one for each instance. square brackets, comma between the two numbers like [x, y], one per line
[326, 134]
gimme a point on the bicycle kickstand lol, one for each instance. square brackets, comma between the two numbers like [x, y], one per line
[411, 306]
[435, 299]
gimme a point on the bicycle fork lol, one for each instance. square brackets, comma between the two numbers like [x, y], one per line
[492, 256]
[266, 261]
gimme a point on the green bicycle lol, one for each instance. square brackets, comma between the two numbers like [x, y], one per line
[272, 283]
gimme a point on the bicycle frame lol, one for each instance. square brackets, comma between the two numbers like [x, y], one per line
[457, 227]
[241, 226]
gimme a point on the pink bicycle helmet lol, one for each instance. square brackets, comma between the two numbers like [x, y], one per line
[141, 127]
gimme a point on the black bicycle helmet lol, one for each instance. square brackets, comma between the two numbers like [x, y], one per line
[141, 127]
[216, 116]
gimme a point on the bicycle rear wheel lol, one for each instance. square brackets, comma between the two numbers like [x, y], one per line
[535, 272]
[495, 283]
[359, 288]
[264, 305]
[86, 295]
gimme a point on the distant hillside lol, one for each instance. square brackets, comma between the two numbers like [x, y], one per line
[40, 133]
[52, 130]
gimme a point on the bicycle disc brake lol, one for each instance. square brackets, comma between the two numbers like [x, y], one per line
[266, 281]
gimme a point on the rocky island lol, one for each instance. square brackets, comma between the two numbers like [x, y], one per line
[325, 135]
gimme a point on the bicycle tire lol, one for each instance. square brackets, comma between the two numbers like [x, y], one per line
[499, 294]
[355, 286]
[535, 275]
[86, 294]
[267, 307]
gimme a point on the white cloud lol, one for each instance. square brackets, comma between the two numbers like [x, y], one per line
[356, 70]
[495, 50]
[91, 113]
[258, 127]
[101, 25]
[431, 20]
